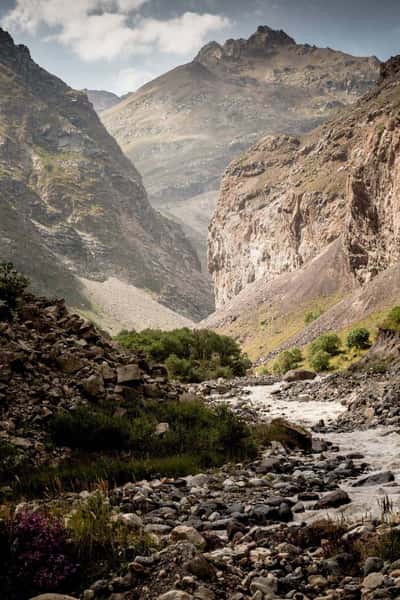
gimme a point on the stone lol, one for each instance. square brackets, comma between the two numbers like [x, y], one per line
[291, 435]
[299, 375]
[94, 386]
[188, 534]
[373, 564]
[201, 568]
[129, 374]
[265, 585]
[373, 581]
[333, 500]
[175, 595]
[162, 429]
[69, 363]
[375, 479]
[53, 597]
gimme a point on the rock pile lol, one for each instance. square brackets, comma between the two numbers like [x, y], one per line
[51, 360]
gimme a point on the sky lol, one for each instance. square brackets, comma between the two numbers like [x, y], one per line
[118, 45]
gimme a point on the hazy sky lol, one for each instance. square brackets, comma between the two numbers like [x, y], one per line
[120, 44]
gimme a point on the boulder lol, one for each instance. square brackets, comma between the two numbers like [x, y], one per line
[375, 479]
[53, 597]
[291, 435]
[94, 386]
[333, 500]
[188, 534]
[129, 374]
[299, 375]
[175, 595]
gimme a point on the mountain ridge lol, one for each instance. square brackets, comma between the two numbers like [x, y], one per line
[66, 179]
[183, 128]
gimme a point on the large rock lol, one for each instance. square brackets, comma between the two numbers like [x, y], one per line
[53, 597]
[375, 479]
[299, 375]
[333, 500]
[291, 435]
[129, 374]
[188, 534]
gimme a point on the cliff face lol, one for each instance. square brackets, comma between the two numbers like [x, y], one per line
[183, 128]
[285, 201]
[68, 190]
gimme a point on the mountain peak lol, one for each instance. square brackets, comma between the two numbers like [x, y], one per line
[390, 69]
[8, 46]
[259, 43]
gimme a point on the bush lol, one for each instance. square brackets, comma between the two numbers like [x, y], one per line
[392, 320]
[12, 283]
[191, 356]
[328, 342]
[312, 315]
[90, 430]
[194, 429]
[358, 338]
[320, 361]
[96, 534]
[39, 556]
[287, 360]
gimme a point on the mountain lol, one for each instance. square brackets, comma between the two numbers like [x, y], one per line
[183, 128]
[73, 206]
[311, 222]
[101, 99]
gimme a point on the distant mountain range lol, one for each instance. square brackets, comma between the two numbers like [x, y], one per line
[73, 206]
[183, 128]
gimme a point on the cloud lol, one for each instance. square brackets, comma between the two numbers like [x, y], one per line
[110, 29]
[131, 79]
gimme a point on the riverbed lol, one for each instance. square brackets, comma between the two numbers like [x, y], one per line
[379, 447]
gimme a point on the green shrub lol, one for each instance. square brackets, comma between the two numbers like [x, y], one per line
[194, 428]
[392, 320]
[96, 534]
[287, 360]
[312, 315]
[87, 429]
[328, 342]
[358, 338]
[320, 360]
[191, 356]
[12, 283]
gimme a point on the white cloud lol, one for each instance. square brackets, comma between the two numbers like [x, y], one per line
[131, 79]
[103, 29]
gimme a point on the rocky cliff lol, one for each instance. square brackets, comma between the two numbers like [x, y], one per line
[73, 204]
[328, 199]
[183, 128]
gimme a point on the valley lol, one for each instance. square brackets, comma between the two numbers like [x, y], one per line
[199, 312]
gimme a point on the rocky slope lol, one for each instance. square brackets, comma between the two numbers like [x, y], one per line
[73, 204]
[183, 128]
[101, 99]
[307, 220]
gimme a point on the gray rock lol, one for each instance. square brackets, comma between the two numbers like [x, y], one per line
[373, 564]
[375, 479]
[333, 500]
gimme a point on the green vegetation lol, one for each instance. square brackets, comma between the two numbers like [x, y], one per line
[358, 338]
[190, 356]
[12, 283]
[320, 361]
[312, 315]
[96, 534]
[287, 360]
[117, 450]
[327, 342]
[392, 320]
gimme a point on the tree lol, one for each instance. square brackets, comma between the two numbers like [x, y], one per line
[328, 342]
[12, 283]
[358, 338]
[320, 361]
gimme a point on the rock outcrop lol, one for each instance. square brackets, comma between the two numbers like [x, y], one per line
[329, 199]
[193, 120]
[73, 204]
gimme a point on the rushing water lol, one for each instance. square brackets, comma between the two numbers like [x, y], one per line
[380, 447]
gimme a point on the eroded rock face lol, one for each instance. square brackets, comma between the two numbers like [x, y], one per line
[75, 202]
[289, 198]
[199, 116]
